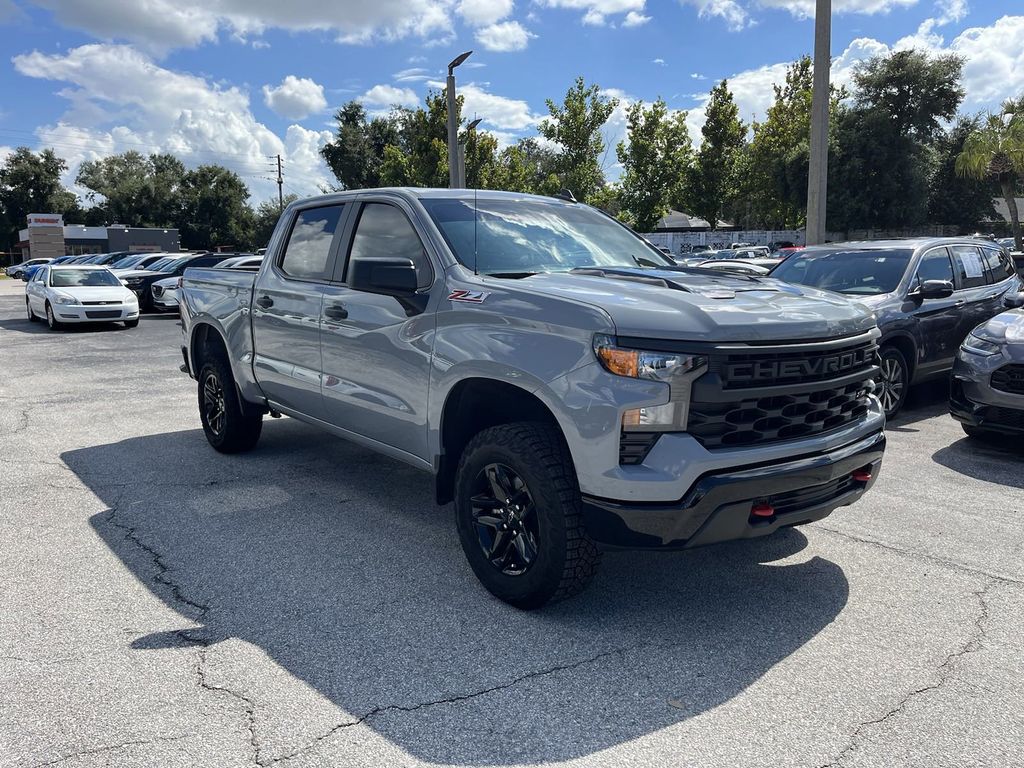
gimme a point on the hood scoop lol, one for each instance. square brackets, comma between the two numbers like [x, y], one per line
[700, 282]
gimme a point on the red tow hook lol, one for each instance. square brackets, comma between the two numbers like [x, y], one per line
[862, 475]
[762, 510]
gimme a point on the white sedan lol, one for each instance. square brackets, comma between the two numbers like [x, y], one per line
[79, 293]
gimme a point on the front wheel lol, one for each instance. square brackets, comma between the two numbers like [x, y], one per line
[893, 380]
[131, 323]
[53, 323]
[518, 513]
[230, 427]
[31, 315]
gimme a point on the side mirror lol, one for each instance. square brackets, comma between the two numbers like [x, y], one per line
[934, 289]
[388, 276]
[1013, 300]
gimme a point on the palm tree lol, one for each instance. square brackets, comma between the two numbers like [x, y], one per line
[995, 150]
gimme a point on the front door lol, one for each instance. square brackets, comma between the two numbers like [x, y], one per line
[938, 320]
[286, 311]
[377, 349]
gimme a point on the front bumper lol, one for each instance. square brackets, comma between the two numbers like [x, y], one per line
[973, 401]
[100, 313]
[718, 506]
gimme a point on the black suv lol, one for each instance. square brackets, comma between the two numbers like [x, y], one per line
[141, 280]
[927, 294]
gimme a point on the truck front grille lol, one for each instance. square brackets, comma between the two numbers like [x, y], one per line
[784, 392]
[1009, 378]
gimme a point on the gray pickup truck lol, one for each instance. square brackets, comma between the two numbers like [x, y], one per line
[568, 386]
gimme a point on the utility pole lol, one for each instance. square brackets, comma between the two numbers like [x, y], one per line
[817, 177]
[280, 181]
[453, 122]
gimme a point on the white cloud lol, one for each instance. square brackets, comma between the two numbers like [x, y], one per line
[121, 100]
[659, 62]
[804, 9]
[731, 12]
[698, 76]
[386, 96]
[500, 112]
[160, 25]
[504, 36]
[411, 75]
[596, 11]
[634, 19]
[482, 13]
[295, 98]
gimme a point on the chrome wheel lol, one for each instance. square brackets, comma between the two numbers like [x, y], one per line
[213, 403]
[505, 518]
[50, 319]
[892, 383]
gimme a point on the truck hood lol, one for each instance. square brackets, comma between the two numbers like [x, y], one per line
[698, 305]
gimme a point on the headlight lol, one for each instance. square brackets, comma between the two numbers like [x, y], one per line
[131, 298]
[980, 346]
[133, 281]
[61, 298]
[678, 370]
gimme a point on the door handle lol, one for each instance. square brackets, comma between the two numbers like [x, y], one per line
[959, 303]
[336, 312]
[264, 302]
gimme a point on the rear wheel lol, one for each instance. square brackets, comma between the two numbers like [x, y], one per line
[518, 513]
[893, 380]
[230, 426]
[51, 321]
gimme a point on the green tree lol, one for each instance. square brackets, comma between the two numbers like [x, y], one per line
[30, 183]
[952, 198]
[215, 212]
[713, 176]
[995, 150]
[134, 190]
[265, 220]
[356, 154]
[655, 162]
[575, 127]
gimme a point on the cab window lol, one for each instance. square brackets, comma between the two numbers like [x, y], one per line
[384, 231]
[970, 266]
[308, 251]
[997, 266]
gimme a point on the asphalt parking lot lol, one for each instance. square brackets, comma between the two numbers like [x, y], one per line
[308, 605]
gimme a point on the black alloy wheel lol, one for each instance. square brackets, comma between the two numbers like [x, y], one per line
[505, 517]
[213, 403]
[893, 381]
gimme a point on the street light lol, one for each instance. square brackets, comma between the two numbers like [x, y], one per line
[453, 122]
[462, 152]
[817, 176]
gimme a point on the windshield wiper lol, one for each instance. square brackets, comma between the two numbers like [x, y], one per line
[642, 262]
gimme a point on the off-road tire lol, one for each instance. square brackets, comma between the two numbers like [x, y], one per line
[241, 426]
[566, 558]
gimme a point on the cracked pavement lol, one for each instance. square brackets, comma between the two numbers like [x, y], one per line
[308, 605]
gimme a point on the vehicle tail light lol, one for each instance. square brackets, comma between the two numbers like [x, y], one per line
[862, 475]
[762, 510]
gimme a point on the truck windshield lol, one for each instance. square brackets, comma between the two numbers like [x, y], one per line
[516, 237]
[863, 273]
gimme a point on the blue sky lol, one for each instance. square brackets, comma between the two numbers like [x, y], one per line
[236, 81]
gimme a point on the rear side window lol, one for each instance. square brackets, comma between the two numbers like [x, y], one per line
[935, 265]
[384, 232]
[998, 266]
[970, 266]
[309, 244]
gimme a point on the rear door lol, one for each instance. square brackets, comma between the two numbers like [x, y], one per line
[286, 309]
[377, 349]
[974, 294]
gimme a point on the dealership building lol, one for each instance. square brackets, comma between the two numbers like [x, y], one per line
[47, 236]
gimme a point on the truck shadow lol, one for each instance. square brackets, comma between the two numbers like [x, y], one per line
[335, 562]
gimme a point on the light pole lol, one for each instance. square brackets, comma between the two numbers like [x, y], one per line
[453, 122]
[817, 177]
[462, 152]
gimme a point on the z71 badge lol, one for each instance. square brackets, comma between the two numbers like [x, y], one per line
[471, 297]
